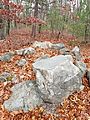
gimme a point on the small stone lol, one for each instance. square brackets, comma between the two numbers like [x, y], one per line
[42, 44]
[21, 62]
[29, 51]
[14, 79]
[58, 46]
[6, 57]
[6, 76]
[76, 52]
[81, 87]
[25, 51]
[81, 66]
[76, 49]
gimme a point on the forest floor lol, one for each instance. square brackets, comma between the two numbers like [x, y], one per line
[75, 107]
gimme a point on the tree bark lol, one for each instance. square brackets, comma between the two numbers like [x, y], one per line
[1, 29]
[8, 22]
[34, 27]
[1, 24]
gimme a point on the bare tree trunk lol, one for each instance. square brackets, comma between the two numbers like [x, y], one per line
[1, 24]
[1, 29]
[87, 32]
[59, 33]
[8, 27]
[15, 24]
[34, 27]
[39, 29]
[41, 17]
[8, 22]
[87, 23]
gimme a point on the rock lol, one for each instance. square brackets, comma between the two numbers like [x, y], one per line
[57, 78]
[58, 46]
[88, 76]
[42, 57]
[6, 76]
[15, 79]
[42, 44]
[25, 51]
[24, 96]
[76, 52]
[81, 66]
[50, 108]
[65, 51]
[6, 57]
[28, 51]
[48, 45]
[21, 62]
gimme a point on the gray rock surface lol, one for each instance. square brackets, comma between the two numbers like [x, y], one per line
[81, 66]
[76, 52]
[24, 96]
[21, 62]
[57, 78]
[42, 57]
[58, 46]
[6, 76]
[65, 51]
[7, 56]
[46, 45]
[25, 51]
[42, 44]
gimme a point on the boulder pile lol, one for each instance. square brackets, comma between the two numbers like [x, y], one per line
[56, 78]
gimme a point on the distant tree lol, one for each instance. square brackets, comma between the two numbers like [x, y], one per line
[80, 24]
[1, 23]
[33, 34]
[8, 13]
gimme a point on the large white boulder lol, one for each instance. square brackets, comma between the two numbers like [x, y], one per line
[57, 78]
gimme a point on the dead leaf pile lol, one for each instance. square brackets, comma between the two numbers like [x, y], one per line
[75, 107]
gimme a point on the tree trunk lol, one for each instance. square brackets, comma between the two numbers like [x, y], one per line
[8, 22]
[1, 24]
[1, 29]
[87, 32]
[8, 27]
[15, 24]
[34, 27]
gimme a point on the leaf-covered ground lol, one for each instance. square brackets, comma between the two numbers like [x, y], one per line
[75, 107]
